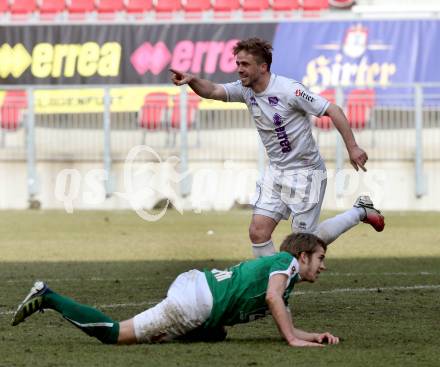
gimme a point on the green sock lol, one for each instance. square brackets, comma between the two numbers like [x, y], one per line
[90, 320]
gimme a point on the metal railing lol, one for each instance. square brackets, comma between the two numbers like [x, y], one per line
[401, 123]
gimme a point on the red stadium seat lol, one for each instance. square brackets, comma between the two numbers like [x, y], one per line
[325, 122]
[12, 109]
[313, 5]
[154, 112]
[4, 6]
[109, 6]
[284, 5]
[255, 5]
[49, 8]
[167, 6]
[138, 6]
[22, 7]
[192, 107]
[195, 8]
[223, 8]
[78, 8]
[360, 102]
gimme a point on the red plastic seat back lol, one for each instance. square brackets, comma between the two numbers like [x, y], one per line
[284, 5]
[196, 5]
[51, 6]
[4, 6]
[359, 105]
[138, 6]
[167, 6]
[80, 6]
[14, 103]
[255, 5]
[325, 122]
[154, 112]
[21, 7]
[313, 5]
[225, 5]
[192, 107]
[109, 6]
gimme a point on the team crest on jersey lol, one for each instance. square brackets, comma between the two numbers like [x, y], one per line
[292, 270]
[273, 101]
[307, 97]
[302, 225]
[277, 119]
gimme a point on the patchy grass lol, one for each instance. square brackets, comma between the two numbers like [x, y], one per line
[380, 293]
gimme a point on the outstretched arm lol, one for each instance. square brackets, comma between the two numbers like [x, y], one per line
[358, 157]
[283, 320]
[204, 88]
[315, 337]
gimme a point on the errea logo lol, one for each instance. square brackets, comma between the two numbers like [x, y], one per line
[307, 97]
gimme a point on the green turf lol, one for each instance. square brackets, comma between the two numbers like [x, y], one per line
[381, 292]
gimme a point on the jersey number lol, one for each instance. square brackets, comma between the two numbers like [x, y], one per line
[221, 274]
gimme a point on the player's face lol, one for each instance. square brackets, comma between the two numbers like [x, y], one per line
[313, 265]
[249, 70]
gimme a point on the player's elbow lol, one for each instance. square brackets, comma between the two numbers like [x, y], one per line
[218, 93]
[272, 298]
[334, 110]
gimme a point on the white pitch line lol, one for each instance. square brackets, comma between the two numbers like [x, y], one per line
[376, 289]
[387, 274]
[301, 293]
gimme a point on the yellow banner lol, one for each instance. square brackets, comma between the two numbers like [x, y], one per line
[2, 97]
[91, 100]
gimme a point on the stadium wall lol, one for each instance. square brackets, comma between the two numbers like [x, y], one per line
[215, 186]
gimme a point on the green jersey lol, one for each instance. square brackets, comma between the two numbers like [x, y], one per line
[239, 293]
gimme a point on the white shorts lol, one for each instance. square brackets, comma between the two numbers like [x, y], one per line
[298, 192]
[188, 305]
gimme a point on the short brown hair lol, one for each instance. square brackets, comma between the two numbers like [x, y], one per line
[296, 243]
[257, 47]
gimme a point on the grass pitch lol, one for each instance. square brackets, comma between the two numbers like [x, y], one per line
[381, 291]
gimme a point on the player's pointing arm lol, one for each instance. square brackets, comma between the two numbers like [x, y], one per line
[203, 87]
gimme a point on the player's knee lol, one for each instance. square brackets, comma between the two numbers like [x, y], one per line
[258, 234]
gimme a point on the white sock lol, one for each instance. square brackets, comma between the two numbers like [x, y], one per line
[330, 229]
[263, 249]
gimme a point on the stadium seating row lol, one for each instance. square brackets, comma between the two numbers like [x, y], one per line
[22, 8]
[156, 109]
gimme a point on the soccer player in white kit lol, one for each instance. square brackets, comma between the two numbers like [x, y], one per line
[295, 181]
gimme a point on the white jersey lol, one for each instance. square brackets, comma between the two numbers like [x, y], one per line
[281, 115]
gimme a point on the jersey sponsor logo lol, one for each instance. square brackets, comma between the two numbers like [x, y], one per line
[348, 61]
[187, 56]
[307, 97]
[47, 60]
[277, 119]
[283, 139]
[273, 101]
[281, 134]
[253, 101]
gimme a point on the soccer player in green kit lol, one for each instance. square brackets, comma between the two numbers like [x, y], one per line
[199, 304]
